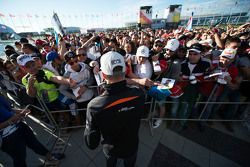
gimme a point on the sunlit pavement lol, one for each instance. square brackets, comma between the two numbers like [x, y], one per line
[164, 147]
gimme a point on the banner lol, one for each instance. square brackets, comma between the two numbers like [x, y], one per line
[145, 15]
[174, 13]
[57, 24]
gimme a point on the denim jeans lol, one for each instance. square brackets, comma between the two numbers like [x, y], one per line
[15, 145]
[187, 102]
[230, 109]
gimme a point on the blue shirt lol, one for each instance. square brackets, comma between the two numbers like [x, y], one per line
[5, 109]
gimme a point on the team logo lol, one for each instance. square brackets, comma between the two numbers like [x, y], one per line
[143, 51]
[117, 61]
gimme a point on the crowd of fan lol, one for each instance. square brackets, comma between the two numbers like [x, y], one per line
[202, 62]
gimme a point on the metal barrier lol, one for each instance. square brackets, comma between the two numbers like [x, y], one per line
[62, 136]
[152, 103]
[149, 118]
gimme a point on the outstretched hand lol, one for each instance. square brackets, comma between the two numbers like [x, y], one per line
[147, 82]
[72, 83]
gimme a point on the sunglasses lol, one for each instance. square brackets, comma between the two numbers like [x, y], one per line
[158, 45]
[73, 62]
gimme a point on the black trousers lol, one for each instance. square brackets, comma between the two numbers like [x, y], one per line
[128, 162]
[15, 145]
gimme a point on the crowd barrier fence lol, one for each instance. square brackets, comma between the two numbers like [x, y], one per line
[54, 127]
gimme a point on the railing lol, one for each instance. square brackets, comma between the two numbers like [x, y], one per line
[53, 125]
[207, 21]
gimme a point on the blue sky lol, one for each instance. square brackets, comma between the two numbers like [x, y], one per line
[99, 13]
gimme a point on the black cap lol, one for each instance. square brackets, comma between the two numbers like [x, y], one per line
[196, 48]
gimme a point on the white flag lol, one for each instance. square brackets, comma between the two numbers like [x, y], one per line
[190, 23]
[57, 24]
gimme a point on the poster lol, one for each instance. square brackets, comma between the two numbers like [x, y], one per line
[174, 13]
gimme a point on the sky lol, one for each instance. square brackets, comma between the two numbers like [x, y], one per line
[34, 15]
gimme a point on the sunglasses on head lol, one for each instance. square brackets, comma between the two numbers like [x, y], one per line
[73, 62]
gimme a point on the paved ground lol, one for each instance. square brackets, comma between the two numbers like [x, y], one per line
[165, 147]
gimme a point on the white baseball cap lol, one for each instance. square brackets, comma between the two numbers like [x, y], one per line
[228, 53]
[142, 51]
[173, 45]
[23, 59]
[111, 60]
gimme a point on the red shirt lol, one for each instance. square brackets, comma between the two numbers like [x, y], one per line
[207, 86]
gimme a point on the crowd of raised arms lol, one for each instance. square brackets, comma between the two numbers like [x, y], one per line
[202, 61]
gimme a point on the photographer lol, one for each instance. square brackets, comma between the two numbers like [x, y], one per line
[42, 83]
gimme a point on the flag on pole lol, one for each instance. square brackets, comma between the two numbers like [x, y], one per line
[190, 22]
[57, 24]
